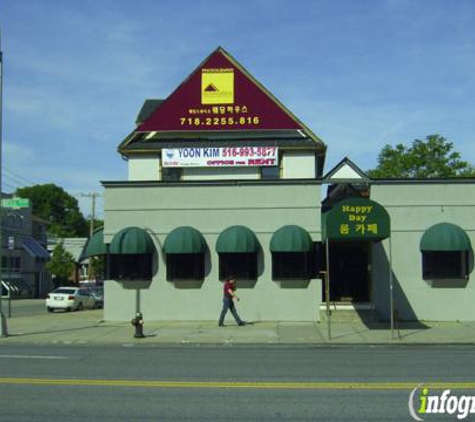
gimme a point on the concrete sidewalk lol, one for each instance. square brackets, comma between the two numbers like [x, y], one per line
[88, 328]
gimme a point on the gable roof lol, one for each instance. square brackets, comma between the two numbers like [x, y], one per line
[148, 107]
[218, 98]
[346, 172]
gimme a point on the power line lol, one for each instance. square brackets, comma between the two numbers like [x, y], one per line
[12, 180]
[18, 176]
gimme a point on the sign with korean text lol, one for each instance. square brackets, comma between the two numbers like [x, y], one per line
[356, 219]
[219, 95]
[220, 157]
[15, 203]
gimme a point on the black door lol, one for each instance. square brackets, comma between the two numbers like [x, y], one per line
[349, 274]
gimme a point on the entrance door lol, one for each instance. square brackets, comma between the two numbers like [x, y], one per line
[349, 272]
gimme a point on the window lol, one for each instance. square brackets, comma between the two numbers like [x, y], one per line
[242, 265]
[272, 172]
[65, 291]
[186, 266]
[291, 265]
[11, 263]
[439, 265]
[131, 267]
[298, 265]
[171, 173]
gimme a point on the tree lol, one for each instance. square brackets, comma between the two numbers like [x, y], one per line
[96, 223]
[61, 265]
[52, 203]
[423, 159]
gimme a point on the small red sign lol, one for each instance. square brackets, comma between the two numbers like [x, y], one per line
[219, 95]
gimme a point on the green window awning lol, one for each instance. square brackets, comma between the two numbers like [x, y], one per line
[237, 239]
[184, 240]
[356, 219]
[95, 245]
[132, 240]
[291, 239]
[445, 237]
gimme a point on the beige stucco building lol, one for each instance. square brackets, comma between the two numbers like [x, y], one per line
[223, 179]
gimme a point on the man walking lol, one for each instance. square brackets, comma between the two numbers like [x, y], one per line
[228, 303]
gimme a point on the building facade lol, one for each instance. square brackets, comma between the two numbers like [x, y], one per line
[223, 179]
[24, 253]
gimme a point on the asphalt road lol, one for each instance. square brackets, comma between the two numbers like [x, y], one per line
[350, 383]
[25, 307]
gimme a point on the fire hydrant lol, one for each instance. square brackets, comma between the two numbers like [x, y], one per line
[137, 322]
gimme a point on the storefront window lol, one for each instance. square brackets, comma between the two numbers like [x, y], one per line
[439, 265]
[242, 265]
[131, 267]
[186, 266]
[298, 265]
[291, 265]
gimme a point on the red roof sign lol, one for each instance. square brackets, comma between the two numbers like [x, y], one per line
[219, 95]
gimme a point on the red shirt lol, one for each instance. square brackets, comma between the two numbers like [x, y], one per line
[228, 286]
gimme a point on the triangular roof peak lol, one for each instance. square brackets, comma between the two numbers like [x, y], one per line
[220, 95]
[346, 172]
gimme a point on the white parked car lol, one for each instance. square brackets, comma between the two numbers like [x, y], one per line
[69, 299]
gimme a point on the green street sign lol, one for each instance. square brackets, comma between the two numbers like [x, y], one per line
[15, 203]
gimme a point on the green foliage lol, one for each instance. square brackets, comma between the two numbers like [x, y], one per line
[423, 159]
[52, 203]
[61, 265]
[97, 223]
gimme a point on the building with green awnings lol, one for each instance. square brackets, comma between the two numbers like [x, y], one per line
[224, 180]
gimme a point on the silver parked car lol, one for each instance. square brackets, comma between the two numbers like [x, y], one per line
[98, 294]
[69, 299]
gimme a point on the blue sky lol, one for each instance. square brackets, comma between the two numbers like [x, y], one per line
[360, 74]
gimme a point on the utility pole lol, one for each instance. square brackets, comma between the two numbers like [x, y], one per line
[3, 321]
[93, 196]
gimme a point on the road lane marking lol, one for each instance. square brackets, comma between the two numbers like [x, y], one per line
[31, 357]
[239, 385]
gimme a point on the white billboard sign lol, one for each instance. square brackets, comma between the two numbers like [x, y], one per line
[220, 157]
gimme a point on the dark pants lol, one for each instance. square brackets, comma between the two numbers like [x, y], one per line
[229, 304]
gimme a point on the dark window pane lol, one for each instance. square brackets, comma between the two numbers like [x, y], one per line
[131, 267]
[65, 291]
[270, 172]
[242, 265]
[437, 265]
[291, 265]
[189, 266]
[171, 173]
[317, 260]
